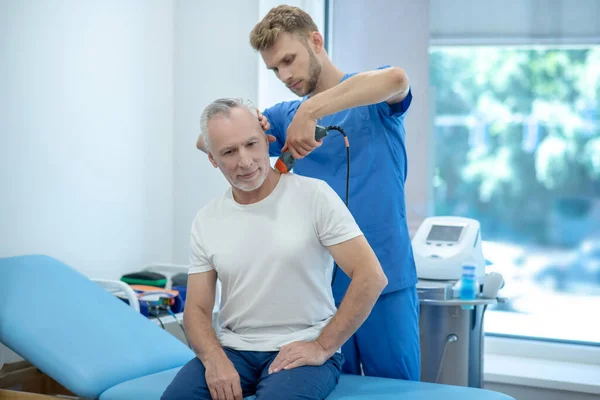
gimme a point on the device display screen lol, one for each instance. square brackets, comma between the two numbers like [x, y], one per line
[444, 233]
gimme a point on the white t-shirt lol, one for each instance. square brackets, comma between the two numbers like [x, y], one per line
[272, 262]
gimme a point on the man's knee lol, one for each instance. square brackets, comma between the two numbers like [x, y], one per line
[302, 383]
[188, 384]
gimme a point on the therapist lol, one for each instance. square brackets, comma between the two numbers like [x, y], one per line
[370, 107]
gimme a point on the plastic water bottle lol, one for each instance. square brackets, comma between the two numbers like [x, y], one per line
[468, 285]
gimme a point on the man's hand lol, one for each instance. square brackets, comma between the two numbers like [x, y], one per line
[297, 354]
[301, 135]
[223, 380]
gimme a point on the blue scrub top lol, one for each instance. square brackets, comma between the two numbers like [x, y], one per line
[378, 169]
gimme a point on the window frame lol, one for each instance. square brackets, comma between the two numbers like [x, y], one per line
[543, 350]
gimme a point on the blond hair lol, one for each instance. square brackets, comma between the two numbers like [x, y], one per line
[278, 20]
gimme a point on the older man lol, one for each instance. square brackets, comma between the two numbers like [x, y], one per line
[271, 240]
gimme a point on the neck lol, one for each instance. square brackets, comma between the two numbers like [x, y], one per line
[330, 76]
[262, 192]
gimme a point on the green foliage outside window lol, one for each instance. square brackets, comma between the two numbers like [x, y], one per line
[517, 136]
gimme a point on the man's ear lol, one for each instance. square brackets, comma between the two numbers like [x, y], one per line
[200, 143]
[316, 39]
[212, 159]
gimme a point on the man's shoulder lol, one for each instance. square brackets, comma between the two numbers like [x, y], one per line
[303, 182]
[211, 208]
[307, 188]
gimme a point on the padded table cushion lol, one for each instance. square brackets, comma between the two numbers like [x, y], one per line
[350, 387]
[76, 331]
[149, 387]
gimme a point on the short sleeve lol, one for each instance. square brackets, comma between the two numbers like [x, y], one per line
[335, 224]
[398, 109]
[199, 261]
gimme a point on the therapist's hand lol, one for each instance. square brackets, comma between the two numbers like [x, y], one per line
[297, 354]
[264, 122]
[265, 125]
[222, 379]
[301, 135]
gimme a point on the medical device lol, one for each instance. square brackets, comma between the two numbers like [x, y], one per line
[286, 162]
[442, 245]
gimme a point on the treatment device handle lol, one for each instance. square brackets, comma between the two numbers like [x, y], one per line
[286, 162]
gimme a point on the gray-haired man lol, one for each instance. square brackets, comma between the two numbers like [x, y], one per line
[271, 240]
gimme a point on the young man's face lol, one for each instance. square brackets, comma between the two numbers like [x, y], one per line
[239, 148]
[294, 63]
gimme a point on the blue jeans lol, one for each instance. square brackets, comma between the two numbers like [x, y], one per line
[387, 344]
[307, 382]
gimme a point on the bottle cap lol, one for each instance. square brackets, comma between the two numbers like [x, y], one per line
[468, 270]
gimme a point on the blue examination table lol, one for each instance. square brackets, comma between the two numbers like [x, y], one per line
[98, 347]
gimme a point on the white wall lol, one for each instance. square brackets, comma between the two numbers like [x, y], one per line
[85, 132]
[212, 58]
[100, 105]
[366, 35]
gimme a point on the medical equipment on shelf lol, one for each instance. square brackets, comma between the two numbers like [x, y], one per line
[492, 283]
[454, 292]
[468, 286]
[443, 244]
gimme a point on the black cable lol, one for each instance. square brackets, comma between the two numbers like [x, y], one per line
[156, 316]
[339, 129]
[180, 325]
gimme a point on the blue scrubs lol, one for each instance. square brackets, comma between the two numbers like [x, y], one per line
[378, 172]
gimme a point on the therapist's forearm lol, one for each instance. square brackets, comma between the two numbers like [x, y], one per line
[201, 334]
[356, 306]
[365, 88]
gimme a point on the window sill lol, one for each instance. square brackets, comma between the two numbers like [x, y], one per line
[542, 373]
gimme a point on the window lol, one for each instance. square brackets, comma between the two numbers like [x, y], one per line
[517, 147]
